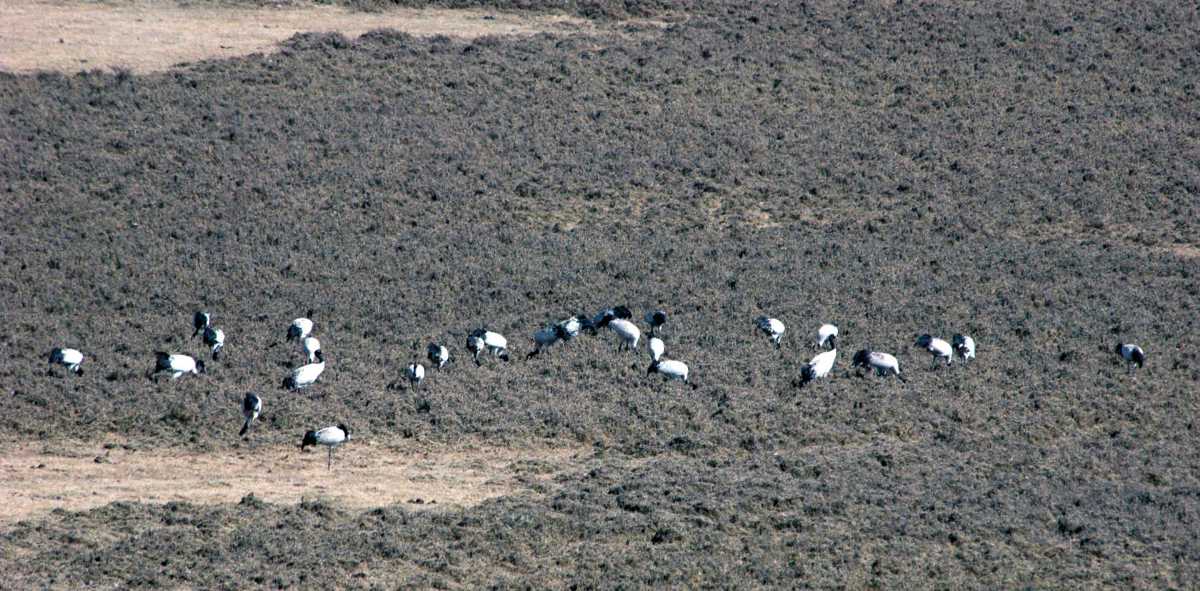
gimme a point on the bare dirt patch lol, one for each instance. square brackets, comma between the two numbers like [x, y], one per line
[142, 36]
[1187, 251]
[364, 475]
[1125, 236]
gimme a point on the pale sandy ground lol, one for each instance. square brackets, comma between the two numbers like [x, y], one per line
[146, 36]
[41, 477]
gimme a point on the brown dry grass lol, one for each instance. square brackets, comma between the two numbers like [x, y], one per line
[145, 36]
[364, 475]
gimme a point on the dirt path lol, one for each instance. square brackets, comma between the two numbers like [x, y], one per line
[1125, 236]
[147, 36]
[38, 480]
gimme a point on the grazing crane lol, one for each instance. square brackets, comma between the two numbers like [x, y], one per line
[568, 328]
[656, 319]
[176, 364]
[827, 336]
[251, 407]
[475, 343]
[305, 375]
[415, 372]
[544, 338]
[311, 347]
[330, 437]
[628, 332]
[964, 346]
[438, 355]
[818, 367]
[882, 363]
[215, 338]
[563, 330]
[1132, 354]
[300, 328]
[494, 342]
[605, 316]
[772, 327]
[670, 369]
[936, 347]
[621, 312]
[69, 358]
[657, 347]
[200, 321]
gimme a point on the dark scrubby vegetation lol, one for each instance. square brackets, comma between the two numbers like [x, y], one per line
[592, 9]
[742, 521]
[1022, 175]
[595, 9]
